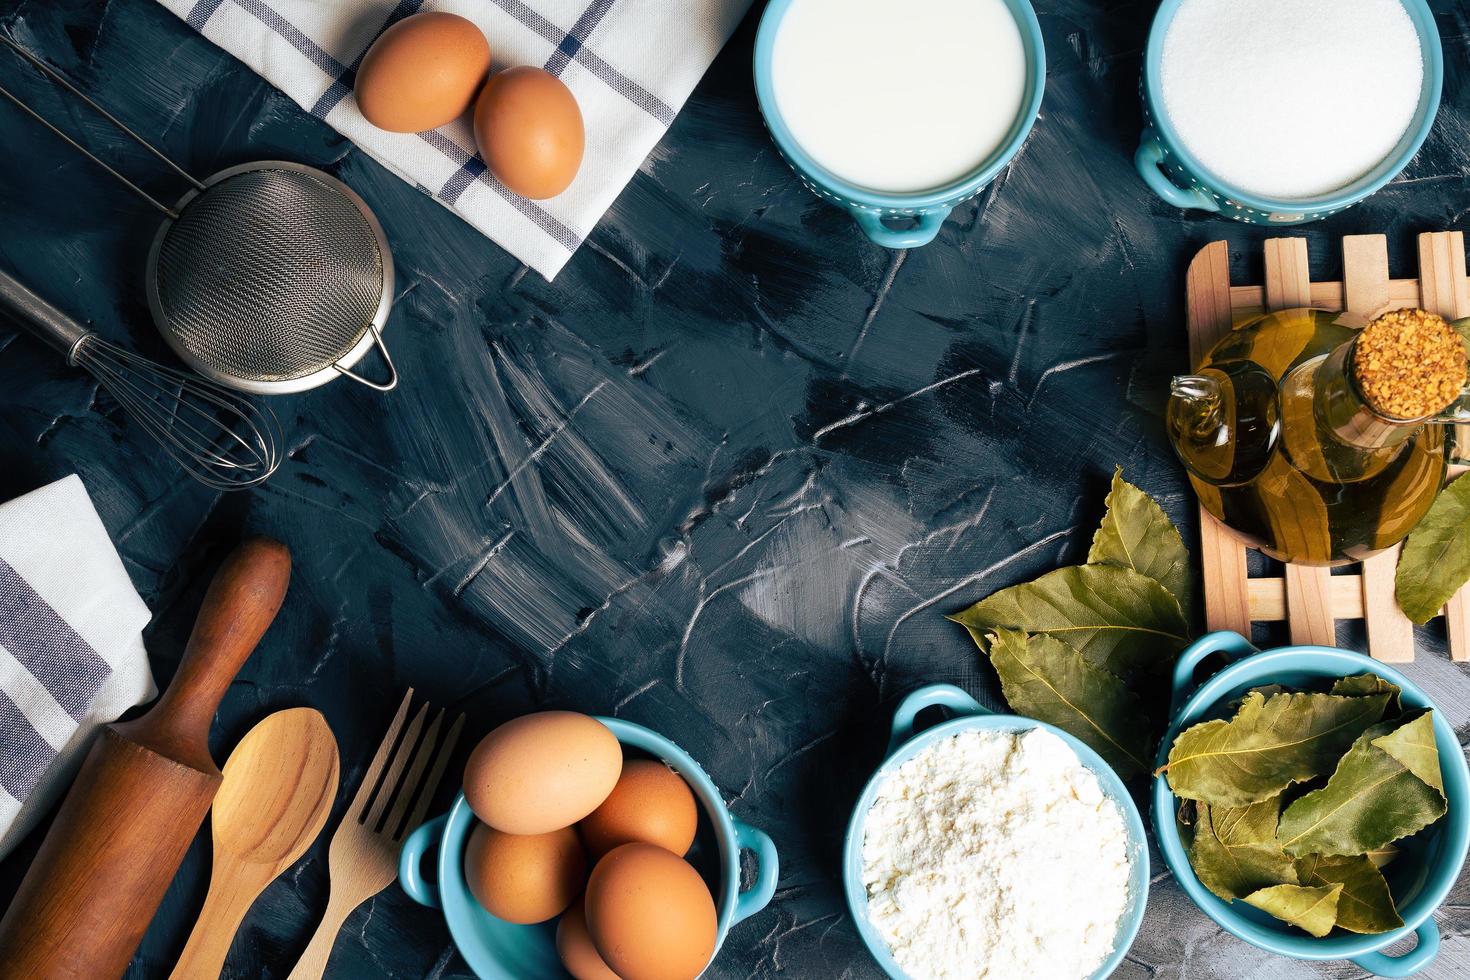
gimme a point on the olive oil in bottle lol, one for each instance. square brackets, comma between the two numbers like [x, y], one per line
[1284, 445]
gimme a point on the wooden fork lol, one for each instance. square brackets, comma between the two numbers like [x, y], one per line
[363, 857]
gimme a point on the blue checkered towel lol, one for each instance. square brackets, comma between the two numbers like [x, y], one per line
[71, 646]
[630, 63]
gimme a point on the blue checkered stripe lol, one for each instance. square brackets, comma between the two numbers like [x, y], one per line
[571, 45]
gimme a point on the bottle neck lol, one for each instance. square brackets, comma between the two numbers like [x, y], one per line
[1342, 409]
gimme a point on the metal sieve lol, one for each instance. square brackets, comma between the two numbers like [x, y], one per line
[269, 277]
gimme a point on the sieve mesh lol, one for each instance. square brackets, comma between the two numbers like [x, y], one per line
[269, 275]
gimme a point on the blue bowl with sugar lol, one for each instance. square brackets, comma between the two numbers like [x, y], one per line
[969, 715]
[876, 210]
[1175, 173]
[1429, 862]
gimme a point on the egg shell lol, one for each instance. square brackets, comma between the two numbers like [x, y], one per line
[529, 129]
[542, 772]
[574, 946]
[422, 72]
[650, 914]
[524, 878]
[650, 803]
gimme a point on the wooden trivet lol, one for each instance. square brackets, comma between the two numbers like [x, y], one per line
[1312, 599]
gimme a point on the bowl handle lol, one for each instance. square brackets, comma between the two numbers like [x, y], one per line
[943, 695]
[1146, 161]
[1411, 962]
[758, 895]
[1232, 646]
[411, 858]
[871, 222]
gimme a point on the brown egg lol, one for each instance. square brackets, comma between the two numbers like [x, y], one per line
[650, 914]
[650, 803]
[524, 878]
[542, 772]
[530, 131]
[422, 72]
[574, 946]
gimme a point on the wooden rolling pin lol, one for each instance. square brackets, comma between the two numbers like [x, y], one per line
[140, 796]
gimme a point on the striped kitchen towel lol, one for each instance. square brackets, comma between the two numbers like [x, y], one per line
[71, 646]
[630, 63]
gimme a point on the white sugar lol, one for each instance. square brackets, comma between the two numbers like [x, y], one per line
[1291, 99]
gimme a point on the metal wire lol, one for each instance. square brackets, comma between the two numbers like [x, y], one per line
[221, 438]
[269, 275]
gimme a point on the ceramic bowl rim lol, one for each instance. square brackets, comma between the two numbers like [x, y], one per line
[448, 860]
[1431, 48]
[1300, 945]
[949, 193]
[1113, 786]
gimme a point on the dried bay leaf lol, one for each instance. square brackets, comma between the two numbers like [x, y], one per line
[1311, 908]
[1118, 619]
[1367, 685]
[1436, 559]
[1136, 533]
[1043, 678]
[1270, 744]
[1383, 856]
[1372, 799]
[1414, 745]
[1253, 824]
[1235, 869]
[1365, 905]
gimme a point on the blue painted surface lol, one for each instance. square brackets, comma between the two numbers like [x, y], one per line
[721, 478]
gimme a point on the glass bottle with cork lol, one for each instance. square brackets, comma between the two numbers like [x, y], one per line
[1319, 443]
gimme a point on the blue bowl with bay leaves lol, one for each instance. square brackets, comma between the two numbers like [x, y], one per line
[1428, 863]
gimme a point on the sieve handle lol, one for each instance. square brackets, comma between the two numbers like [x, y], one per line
[40, 317]
[392, 381]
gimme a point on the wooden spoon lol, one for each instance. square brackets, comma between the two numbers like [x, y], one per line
[278, 789]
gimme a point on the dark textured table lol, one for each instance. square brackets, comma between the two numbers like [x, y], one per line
[721, 478]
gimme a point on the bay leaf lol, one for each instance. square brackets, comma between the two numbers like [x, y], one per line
[1365, 905]
[1118, 619]
[1415, 747]
[1313, 909]
[1043, 678]
[1435, 561]
[1253, 824]
[1270, 744]
[1136, 533]
[1372, 799]
[1366, 685]
[1235, 870]
[1383, 856]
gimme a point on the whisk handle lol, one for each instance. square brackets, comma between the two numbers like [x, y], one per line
[39, 316]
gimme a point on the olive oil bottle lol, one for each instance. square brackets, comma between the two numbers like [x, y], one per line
[1284, 445]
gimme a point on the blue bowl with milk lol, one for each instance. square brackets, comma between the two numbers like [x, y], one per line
[1248, 113]
[967, 714]
[898, 110]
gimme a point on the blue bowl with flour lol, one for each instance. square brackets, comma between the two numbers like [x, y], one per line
[1429, 862]
[499, 950]
[1173, 173]
[970, 715]
[874, 210]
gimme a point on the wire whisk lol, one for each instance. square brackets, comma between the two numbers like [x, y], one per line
[221, 438]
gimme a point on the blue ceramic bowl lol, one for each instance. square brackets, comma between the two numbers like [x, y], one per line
[1429, 861]
[498, 950]
[1172, 172]
[971, 716]
[871, 208]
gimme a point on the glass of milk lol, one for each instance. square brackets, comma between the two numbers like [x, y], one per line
[1281, 111]
[899, 109]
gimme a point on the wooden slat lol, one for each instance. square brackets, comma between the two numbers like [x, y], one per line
[1222, 555]
[1308, 589]
[1444, 291]
[1324, 296]
[1366, 290]
[1268, 598]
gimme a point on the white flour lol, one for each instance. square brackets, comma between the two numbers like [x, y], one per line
[996, 855]
[1291, 99]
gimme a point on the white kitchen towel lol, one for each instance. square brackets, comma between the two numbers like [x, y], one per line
[71, 646]
[630, 63]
